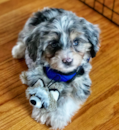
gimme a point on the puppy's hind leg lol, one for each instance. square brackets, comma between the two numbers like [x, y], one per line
[59, 118]
[18, 51]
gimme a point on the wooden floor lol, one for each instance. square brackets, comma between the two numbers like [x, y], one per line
[100, 112]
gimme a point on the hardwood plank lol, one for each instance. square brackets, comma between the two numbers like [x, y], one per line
[2, 1]
[107, 112]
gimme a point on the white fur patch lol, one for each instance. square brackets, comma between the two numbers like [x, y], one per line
[58, 119]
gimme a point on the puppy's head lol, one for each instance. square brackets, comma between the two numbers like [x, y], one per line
[64, 41]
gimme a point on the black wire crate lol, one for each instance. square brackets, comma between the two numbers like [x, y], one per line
[107, 8]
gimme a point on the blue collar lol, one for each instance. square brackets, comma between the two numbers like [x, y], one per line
[58, 76]
[62, 77]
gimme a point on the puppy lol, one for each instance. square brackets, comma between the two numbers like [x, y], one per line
[63, 42]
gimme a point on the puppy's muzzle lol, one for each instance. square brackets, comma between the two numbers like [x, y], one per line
[67, 61]
[35, 102]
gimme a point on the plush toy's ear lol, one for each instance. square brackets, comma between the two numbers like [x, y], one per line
[92, 34]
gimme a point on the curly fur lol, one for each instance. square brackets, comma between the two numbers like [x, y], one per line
[34, 44]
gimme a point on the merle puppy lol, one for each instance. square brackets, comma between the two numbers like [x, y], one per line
[60, 43]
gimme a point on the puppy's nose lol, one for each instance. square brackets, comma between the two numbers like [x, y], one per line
[67, 61]
[33, 102]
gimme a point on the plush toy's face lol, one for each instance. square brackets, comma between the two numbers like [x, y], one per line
[63, 42]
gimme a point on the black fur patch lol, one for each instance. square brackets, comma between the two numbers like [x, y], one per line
[91, 36]
[87, 86]
[92, 51]
[31, 43]
[81, 71]
[40, 17]
[58, 10]
[86, 92]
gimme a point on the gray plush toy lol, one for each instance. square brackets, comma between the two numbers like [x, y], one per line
[42, 92]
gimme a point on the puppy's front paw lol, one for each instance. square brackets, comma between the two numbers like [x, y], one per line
[23, 77]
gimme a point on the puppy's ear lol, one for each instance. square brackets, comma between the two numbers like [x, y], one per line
[32, 43]
[92, 34]
[45, 15]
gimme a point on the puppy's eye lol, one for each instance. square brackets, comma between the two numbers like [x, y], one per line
[53, 44]
[76, 42]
